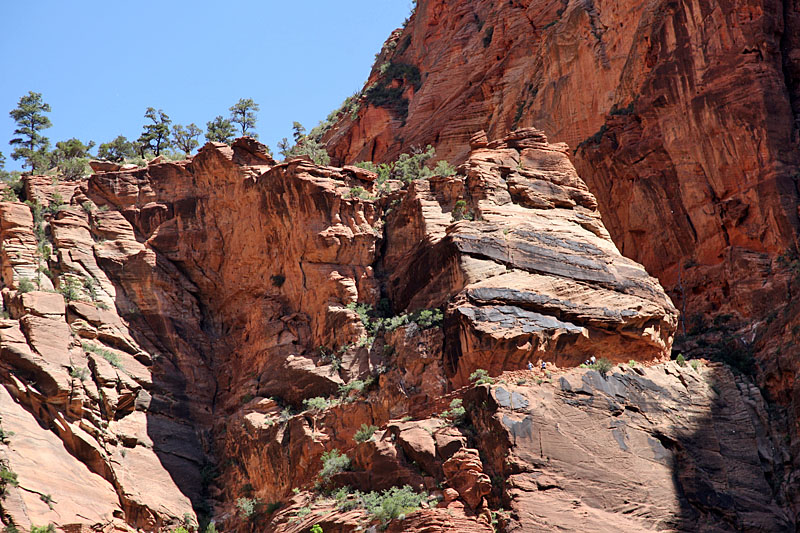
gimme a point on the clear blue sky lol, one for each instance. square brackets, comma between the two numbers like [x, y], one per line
[100, 64]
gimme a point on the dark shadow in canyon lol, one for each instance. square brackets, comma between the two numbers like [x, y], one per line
[730, 470]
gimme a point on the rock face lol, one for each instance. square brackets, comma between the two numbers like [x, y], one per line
[684, 118]
[535, 275]
[93, 431]
[684, 448]
[225, 323]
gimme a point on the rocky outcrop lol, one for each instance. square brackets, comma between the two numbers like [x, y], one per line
[535, 275]
[93, 434]
[202, 302]
[684, 448]
[225, 322]
[683, 120]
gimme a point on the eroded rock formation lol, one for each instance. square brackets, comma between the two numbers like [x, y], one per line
[204, 302]
[684, 118]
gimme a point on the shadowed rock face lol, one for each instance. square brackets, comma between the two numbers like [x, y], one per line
[533, 276]
[683, 117]
[208, 298]
[683, 448]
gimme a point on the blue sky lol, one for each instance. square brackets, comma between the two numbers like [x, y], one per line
[100, 64]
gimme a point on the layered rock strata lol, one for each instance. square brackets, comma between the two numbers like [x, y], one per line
[685, 124]
[228, 319]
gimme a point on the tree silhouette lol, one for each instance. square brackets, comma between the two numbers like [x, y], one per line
[185, 138]
[220, 130]
[117, 150]
[30, 117]
[155, 137]
[243, 113]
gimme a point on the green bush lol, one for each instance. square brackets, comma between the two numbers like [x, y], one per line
[70, 288]
[428, 318]
[7, 477]
[286, 414]
[25, 285]
[80, 373]
[443, 168]
[46, 498]
[111, 357]
[304, 145]
[248, 507]
[356, 385]
[393, 503]
[5, 436]
[8, 195]
[410, 167]
[316, 404]
[460, 211]
[365, 433]
[385, 506]
[316, 528]
[384, 170]
[359, 192]
[455, 415]
[74, 169]
[49, 528]
[603, 366]
[481, 377]
[363, 311]
[333, 462]
[15, 188]
[681, 360]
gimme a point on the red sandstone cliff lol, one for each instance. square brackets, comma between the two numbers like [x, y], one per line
[683, 115]
[205, 300]
[683, 119]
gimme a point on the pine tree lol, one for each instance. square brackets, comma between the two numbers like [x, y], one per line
[185, 139]
[70, 149]
[30, 117]
[155, 137]
[284, 148]
[243, 113]
[298, 132]
[303, 145]
[220, 130]
[72, 158]
[117, 150]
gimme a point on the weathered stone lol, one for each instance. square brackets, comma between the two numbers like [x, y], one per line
[464, 472]
[104, 166]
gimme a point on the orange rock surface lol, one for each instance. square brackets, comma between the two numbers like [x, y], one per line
[222, 323]
[682, 118]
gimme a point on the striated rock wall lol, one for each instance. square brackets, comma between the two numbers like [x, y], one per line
[226, 320]
[682, 116]
[663, 437]
[202, 301]
[100, 427]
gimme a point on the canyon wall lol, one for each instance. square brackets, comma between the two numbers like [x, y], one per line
[223, 322]
[181, 339]
[682, 117]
